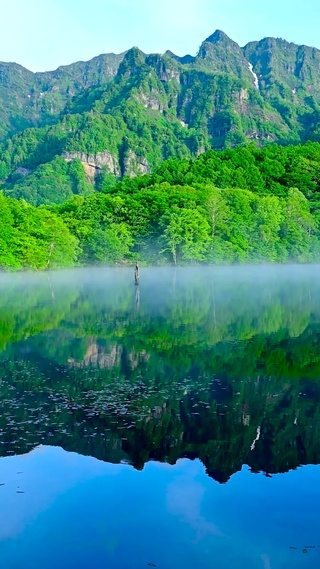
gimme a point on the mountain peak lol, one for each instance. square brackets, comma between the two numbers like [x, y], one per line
[219, 37]
[132, 60]
[221, 54]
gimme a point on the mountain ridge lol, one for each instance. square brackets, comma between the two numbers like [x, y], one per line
[128, 112]
[217, 35]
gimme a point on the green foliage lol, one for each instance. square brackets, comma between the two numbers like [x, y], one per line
[186, 234]
[33, 238]
[107, 246]
[53, 182]
[272, 170]
[176, 214]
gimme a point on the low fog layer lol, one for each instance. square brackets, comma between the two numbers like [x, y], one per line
[163, 279]
[264, 298]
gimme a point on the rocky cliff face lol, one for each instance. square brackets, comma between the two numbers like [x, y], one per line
[134, 165]
[94, 163]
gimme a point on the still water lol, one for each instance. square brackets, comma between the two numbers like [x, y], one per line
[172, 425]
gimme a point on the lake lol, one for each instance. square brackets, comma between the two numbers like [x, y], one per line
[171, 425]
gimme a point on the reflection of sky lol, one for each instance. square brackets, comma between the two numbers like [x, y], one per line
[80, 513]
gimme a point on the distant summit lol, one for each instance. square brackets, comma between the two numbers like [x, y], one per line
[220, 37]
[222, 54]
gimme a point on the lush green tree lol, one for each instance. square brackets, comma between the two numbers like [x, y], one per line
[268, 216]
[108, 246]
[186, 234]
[298, 227]
[33, 238]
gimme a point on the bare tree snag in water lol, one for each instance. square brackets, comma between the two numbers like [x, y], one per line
[136, 275]
[137, 297]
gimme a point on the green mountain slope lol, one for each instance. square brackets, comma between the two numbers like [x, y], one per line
[33, 99]
[125, 114]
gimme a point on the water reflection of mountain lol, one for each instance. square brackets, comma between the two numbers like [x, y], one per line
[211, 367]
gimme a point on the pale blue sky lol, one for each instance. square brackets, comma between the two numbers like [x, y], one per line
[42, 34]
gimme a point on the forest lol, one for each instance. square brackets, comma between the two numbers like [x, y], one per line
[241, 205]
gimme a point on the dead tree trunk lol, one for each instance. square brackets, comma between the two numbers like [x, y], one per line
[136, 275]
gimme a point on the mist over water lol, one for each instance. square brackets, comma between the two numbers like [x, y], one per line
[214, 371]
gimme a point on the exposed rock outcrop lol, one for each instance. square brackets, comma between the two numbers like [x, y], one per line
[151, 101]
[93, 163]
[135, 165]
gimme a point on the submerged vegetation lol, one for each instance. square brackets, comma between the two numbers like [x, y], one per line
[233, 206]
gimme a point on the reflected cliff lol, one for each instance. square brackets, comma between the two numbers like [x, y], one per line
[220, 364]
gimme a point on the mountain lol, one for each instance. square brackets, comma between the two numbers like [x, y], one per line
[123, 114]
[34, 99]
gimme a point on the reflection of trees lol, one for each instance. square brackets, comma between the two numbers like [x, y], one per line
[203, 308]
[208, 368]
[115, 415]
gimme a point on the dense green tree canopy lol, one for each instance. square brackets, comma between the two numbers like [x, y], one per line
[33, 238]
[233, 206]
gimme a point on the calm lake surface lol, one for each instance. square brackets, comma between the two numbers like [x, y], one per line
[174, 425]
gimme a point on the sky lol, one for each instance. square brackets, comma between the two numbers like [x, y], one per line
[43, 34]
